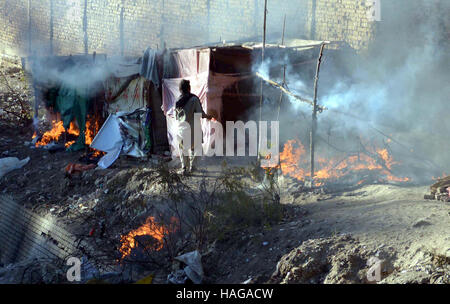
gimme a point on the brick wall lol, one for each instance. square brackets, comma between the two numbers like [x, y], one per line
[113, 26]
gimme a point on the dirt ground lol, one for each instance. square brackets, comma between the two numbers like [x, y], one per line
[322, 238]
[390, 222]
[394, 222]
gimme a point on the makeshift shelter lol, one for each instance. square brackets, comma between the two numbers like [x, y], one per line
[63, 85]
[136, 96]
[133, 103]
[75, 88]
[223, 77]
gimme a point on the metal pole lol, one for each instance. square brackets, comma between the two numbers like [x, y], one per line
[314, 115]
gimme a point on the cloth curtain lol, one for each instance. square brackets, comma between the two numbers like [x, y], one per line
[130, 99]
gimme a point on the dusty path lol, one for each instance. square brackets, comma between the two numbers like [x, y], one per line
[390, 222]
[384, 214]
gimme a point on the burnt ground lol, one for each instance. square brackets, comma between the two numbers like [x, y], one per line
[320, 238]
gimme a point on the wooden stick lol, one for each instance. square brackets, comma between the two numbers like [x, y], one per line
[284, 71]
[262, 62]
[283, 84]
[314, 115]
[297, 97]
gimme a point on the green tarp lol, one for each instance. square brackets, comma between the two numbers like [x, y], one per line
[71, 104]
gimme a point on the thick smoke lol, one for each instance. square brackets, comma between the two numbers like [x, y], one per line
[402, 87]
[395, 93]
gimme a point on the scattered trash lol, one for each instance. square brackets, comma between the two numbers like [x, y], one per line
[193, 269]
[265, 243]
[78, 168]
[9, 164]
[177, 277]
[54, 147]
[90, 158]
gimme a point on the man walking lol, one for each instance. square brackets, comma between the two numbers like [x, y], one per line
[186, 106]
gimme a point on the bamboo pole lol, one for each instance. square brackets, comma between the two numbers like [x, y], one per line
[314, 115]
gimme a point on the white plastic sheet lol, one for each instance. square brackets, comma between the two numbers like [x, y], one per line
[194, 268]
[108, 140]
[9, 164]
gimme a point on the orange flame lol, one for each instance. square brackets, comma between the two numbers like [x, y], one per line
[51, 135]
[294, 161]
[92, 126]
[151, 228]
[69, 143]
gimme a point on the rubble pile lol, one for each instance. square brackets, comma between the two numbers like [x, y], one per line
[336, 260]
[440, 190]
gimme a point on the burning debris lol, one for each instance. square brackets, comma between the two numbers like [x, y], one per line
[368, 166]
[151, 228]
[58, 132]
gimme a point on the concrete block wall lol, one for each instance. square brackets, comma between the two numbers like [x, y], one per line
[129, 26]
[341, 20]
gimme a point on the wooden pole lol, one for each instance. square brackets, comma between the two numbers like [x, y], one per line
[281, 94]
[262, 62]
[284, 71]
[314, 115]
